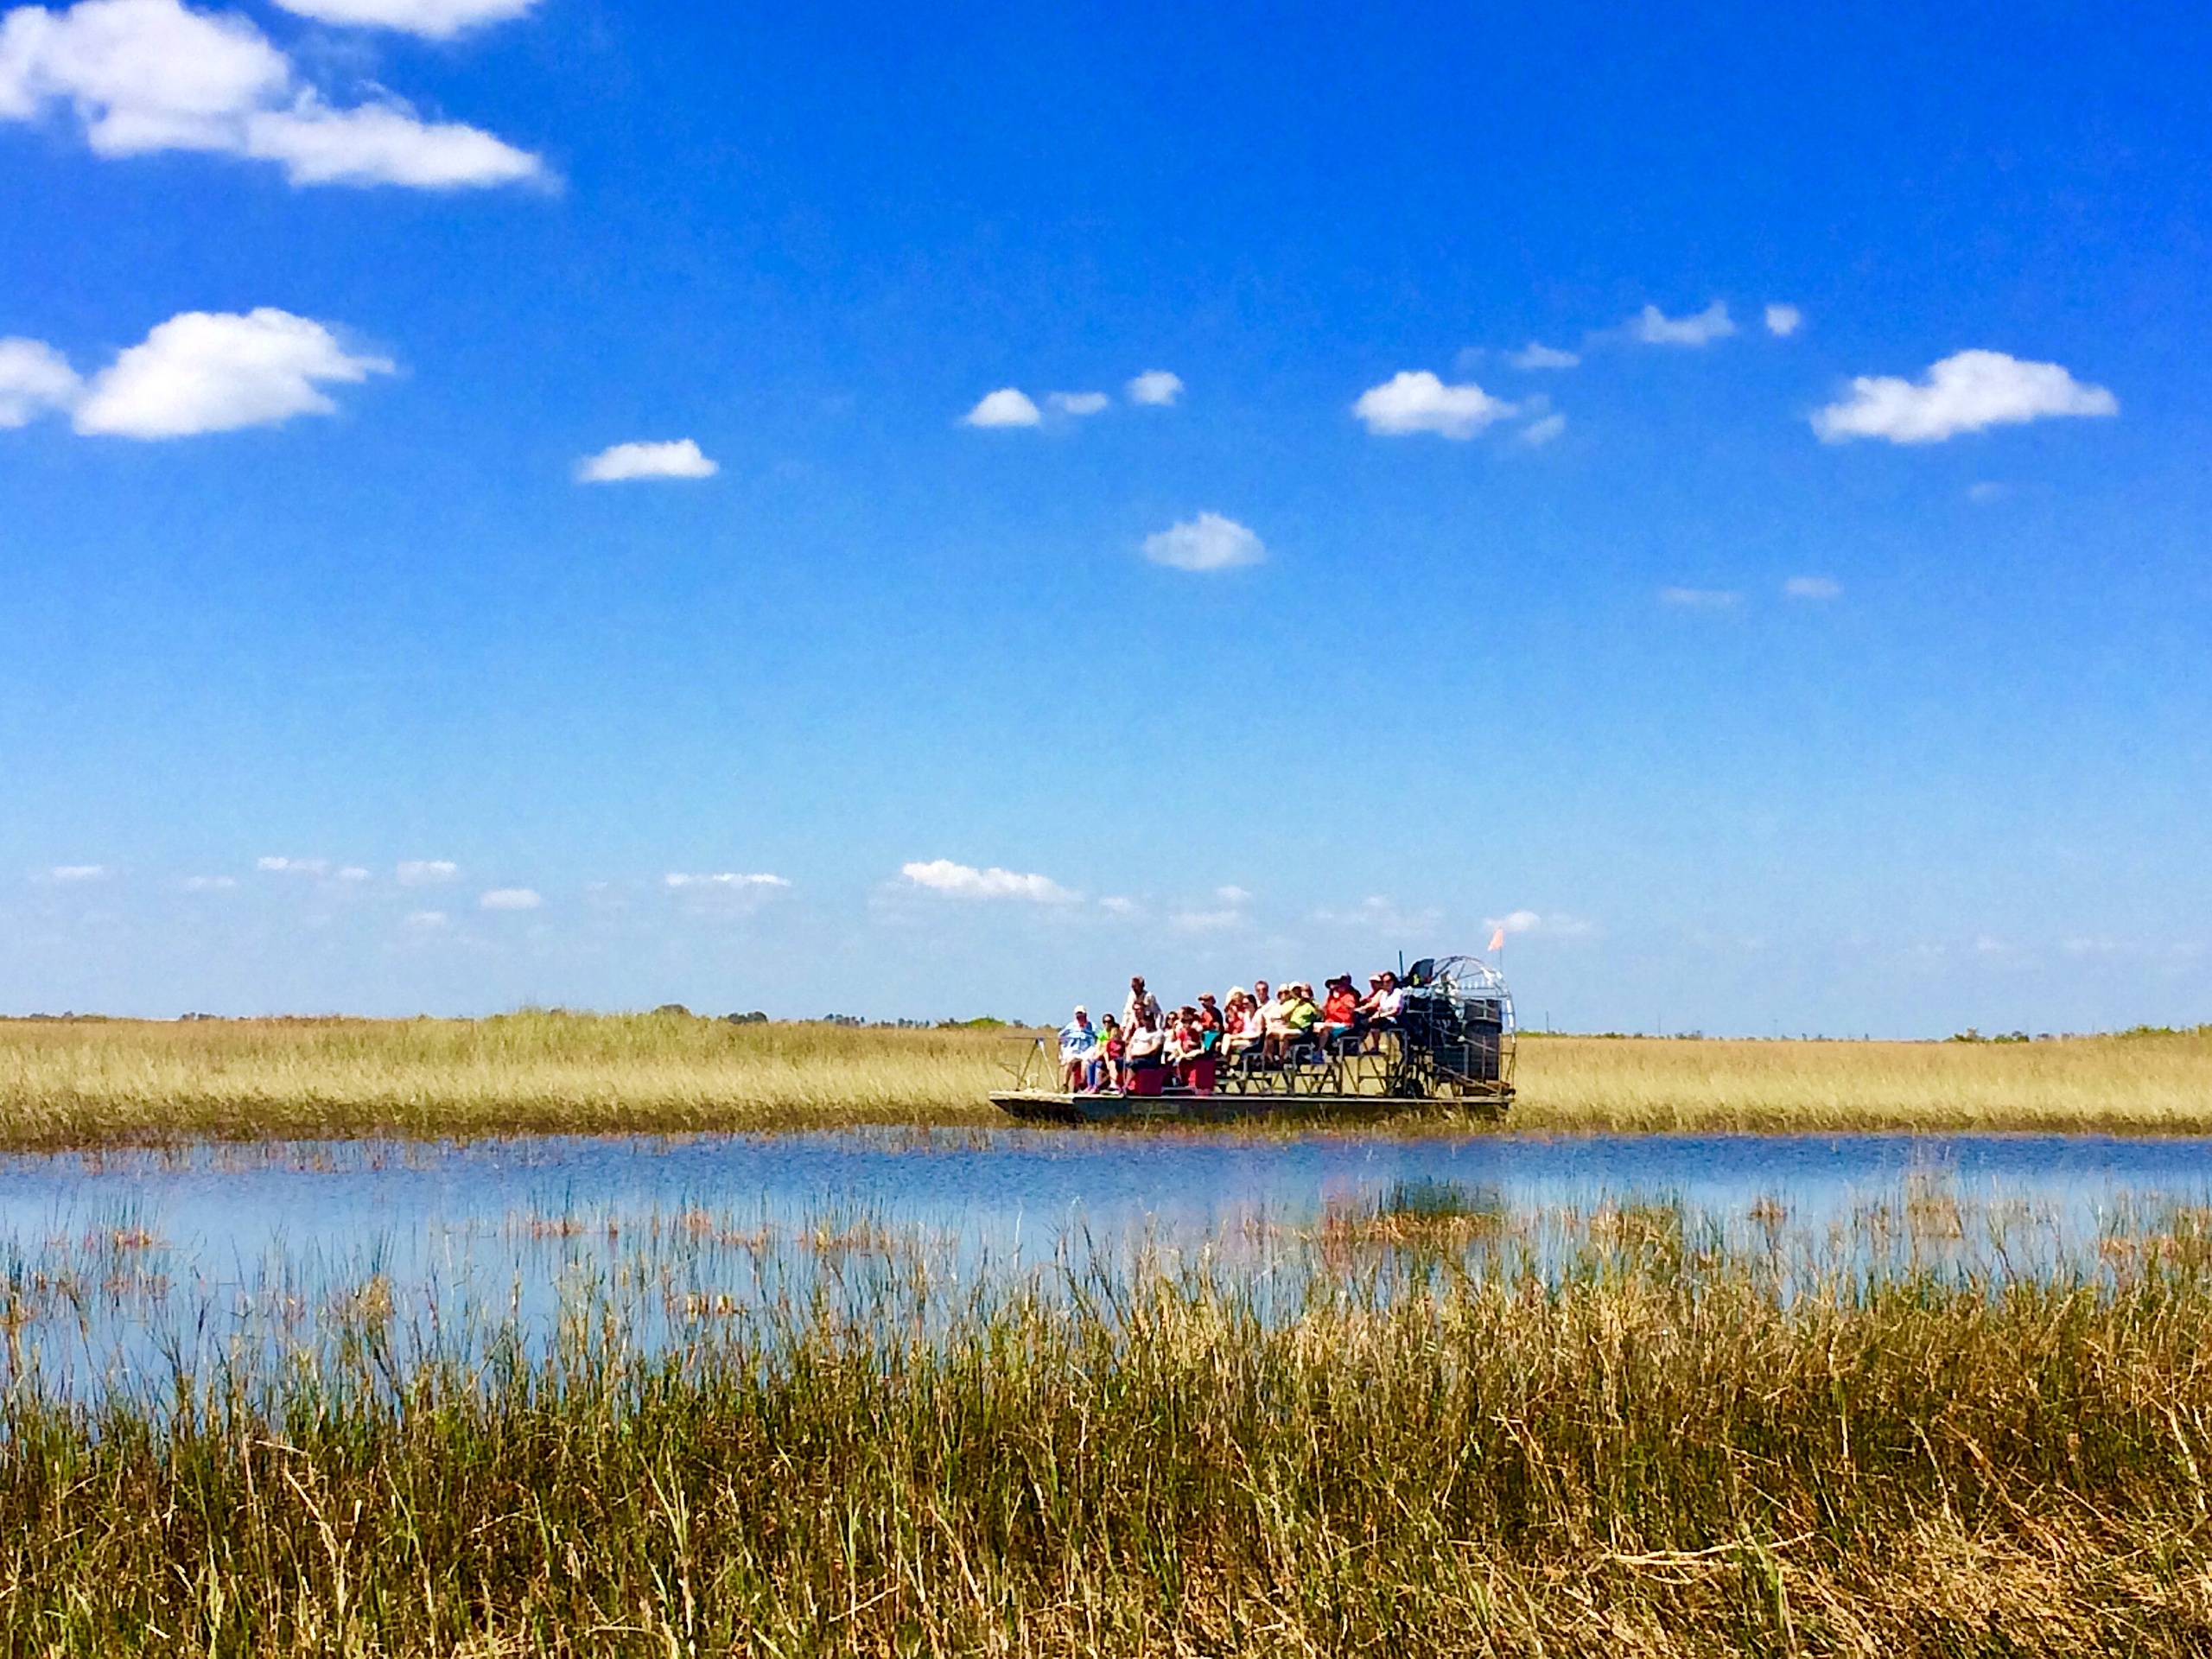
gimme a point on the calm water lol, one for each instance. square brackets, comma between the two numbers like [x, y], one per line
[219, 1240]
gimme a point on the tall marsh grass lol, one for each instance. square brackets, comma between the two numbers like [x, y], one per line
[86, 1083]
[1656, 1445]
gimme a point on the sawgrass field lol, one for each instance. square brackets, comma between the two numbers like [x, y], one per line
[1400, 1435]
[90, 1082]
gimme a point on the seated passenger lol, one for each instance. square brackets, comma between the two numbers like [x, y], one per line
[1184, 1040]
[1211, 1026]
[1245, 1030]
[1304, 1013]
[1106, 1064]
[1078, 1039]
[1383, 1006]
[1144, 1057]
[1340, 1012]
[1275, 1019]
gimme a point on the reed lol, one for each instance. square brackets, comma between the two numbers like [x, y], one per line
[1657, 1447]
[89, 1082]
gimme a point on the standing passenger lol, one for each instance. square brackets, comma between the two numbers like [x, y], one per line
[1140, 1005]
[1078, 1041]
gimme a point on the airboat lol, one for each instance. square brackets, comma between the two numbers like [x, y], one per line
[1450, 1044]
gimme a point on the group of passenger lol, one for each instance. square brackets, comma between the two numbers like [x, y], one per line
[1149, 1047]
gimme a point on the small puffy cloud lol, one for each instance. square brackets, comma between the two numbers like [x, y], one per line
[34, 377]
[1784, 321]
[77, 872]
[147, 75]
[435, 20]
[1154, 388]
[383, 143]
[1007, 406]
[1520, 921]
[1654, 328]
[1115, 905]
[424, 921]
[511, 899]
[1812, 587]
[1537, 355]
[1208, 541]
[1701, 599]
[353, 874]
[966, 881]
[1416, 401]
[1223, 921]
[1539, 433]
[212, 372]
[1232, 894]
[681, 459]
[1983, 493]
[294, 866]
[1078, 402]
[427, 872]
[209, 883]
[1965, 393]
[728, 892]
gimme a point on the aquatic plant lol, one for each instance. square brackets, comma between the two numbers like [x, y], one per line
[1644, 1448]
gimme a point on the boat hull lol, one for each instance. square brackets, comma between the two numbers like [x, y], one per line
[1040, 1106]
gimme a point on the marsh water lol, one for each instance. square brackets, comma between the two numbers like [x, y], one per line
[116, 1260]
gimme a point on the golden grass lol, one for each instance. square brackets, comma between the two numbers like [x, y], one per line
[90, 1083]
[2157, 1083]
[1653, 1452]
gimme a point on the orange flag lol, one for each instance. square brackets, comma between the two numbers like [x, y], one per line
[1497, 940]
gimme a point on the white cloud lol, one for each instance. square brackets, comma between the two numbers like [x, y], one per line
[78, 872]
[1416, 401]
[146, 75]
[1784, 321]
[1986, 491]
[726, 883]
[427, 872]
[1520, 921]
[1115, 905]
[1232, 894]
[1208, 541]
[1654, 327]
[425, 921]
[209, 883]
[1537, 355]
[1383, 915]
[212, 371]
[437, 20]
[1005, 407]
[34, 377]
[353, 874]
[1701, 599]
[1812, 587]
[966, 881]
[382, 143]
[681, 459]
[511, 899]
[1537, 434]
[1208, 921]
[1078, 402]
[1965, 393]
[1156, 387]
[294, 866]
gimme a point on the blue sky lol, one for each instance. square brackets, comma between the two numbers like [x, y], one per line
[1836, 667]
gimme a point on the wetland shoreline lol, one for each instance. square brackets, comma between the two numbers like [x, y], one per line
[87, 1082]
